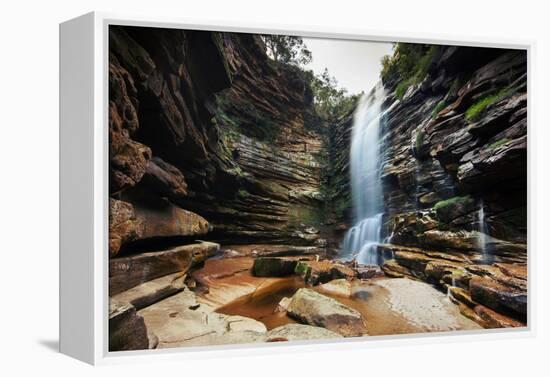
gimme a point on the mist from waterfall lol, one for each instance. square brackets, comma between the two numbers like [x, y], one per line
[366, 187]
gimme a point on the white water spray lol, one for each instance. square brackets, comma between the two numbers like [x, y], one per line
[366, 188]
[483, 231]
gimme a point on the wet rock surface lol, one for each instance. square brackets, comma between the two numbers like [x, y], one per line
[319, 310]
[501, 287]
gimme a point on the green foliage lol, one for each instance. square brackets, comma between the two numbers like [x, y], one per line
[401, 88]
[409, 64]
[388, 68]
[287, 49]
[476, 111]
[498, 143]
[440, 106]
[455, 201]
[330, 101]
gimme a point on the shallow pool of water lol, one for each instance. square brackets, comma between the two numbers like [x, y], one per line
[371, 300]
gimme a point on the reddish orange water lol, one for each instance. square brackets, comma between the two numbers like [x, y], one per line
[370, 300]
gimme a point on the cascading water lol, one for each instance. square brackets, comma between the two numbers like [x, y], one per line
[483, 231]
[366, 188]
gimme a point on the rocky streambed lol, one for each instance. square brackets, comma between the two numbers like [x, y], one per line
[247, 300]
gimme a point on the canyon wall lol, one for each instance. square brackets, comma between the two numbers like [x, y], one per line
[455, 181]
[454, 173]
[209, 139]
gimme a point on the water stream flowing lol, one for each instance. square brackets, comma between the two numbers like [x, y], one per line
[483, 231]
[366, 187]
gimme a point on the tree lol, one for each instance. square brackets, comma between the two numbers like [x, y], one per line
[287, 49]
[331, 101]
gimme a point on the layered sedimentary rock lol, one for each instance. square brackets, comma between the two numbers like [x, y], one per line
[209, 123]
[207, 140]
[454, 175]
[461, 133]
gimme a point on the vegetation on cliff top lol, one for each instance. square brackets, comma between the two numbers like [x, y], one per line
[287, 49]
[408, 65]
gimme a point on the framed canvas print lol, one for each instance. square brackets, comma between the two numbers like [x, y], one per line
[225, 187]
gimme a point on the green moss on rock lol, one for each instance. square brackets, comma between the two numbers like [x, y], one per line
[450, 209]
[478, 109]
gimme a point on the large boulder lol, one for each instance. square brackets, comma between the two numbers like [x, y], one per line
[318, 272]
[127, 272]
[316, 309]
[138, 219]
[160, 218]
[265, 267]
[338, 287]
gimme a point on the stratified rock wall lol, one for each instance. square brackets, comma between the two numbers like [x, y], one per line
[207, 131]
[455, 182]
[438, 147]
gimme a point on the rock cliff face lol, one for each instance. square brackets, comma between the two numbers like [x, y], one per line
[455, 176]
[208, 140]
[456, 144]
[205, 129]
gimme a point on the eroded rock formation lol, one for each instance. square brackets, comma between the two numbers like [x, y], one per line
[208, 140]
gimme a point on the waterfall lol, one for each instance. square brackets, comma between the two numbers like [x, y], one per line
[366, 187]
[483, 231]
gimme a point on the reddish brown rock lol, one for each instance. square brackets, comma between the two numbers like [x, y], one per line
[493, 319]
[127, 272]
[497, 296]
[368, 272]
[317, 272]
[394, 270]
[461, 295]
[124, 226]
[165, 180]
[160, 218]
[518, 271]
[127, 158]
[412, 260]
[436, 269]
